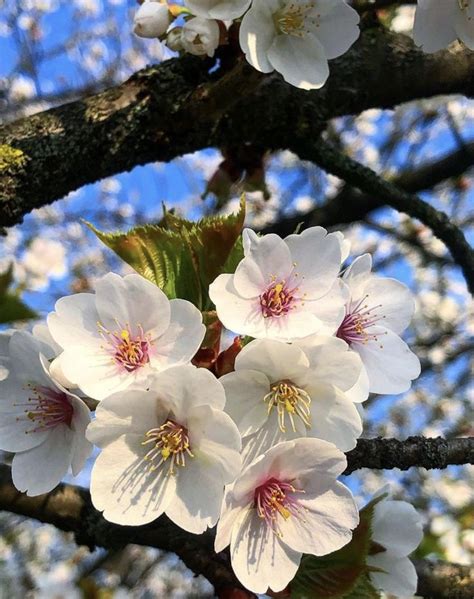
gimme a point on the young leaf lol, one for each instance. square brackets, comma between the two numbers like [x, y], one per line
[12, 309]
[180, 256]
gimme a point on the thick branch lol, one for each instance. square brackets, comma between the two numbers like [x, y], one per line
[357, 175]
[386, 454]
[440, 580]
[175, 108]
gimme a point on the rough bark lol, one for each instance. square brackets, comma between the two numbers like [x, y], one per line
[165, 111]
[383, 454]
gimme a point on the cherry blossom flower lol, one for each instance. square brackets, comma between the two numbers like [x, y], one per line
[284, 504]
[297, 38]
[225, 10]
[170, 450]
[437, 24]
[378, 311]
[283, 288]
[40, 421]
[152, 19]
[396, 532]
[200, 36]
[280, 392]
[118, 336]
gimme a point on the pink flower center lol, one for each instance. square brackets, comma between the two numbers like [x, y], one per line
[276, 499]
[279, 298]
[129, 351]
[170, 441]
[359, 317]
[46, 409]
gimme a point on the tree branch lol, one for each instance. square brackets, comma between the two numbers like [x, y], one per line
[69, 508]
[329, 158]
[165, 111]
[438, 580]
[350, 205]
[384, 454]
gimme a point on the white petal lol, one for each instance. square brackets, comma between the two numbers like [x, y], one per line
[360, 391]
[268, 436]
[16, 432]
[238, 314]
[267, 261]
[199, 492]
[335, 418]
[464, 26]
[259, 559]
[275, 359]
[41, 332]
[25, 353]
[130, 411]
[390, 364]
[396, 301]
[397, 527]
[332, 362]
[133, 301]
[82, 447]
[124, 488]
[317, 258]
[301, 60]
[185, 387]
[330, 309]
[42, 468]
[434, 26]
[256, 34]
[216, 441]
[181, 340]
[229, 514]
[245, 390]
[97, 374]
[338, 29]
[74, 321]
[357, 275]
[400, 579]
[325, 523]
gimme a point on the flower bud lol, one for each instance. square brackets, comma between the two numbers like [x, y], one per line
[152, 19]
[200, 36]
[174, 39]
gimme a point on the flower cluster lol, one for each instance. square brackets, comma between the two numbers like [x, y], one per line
[256, 451]
[296, 38]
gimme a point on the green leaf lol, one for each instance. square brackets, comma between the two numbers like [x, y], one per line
[180, 256]
[12, 309]
[364, 589]
[337, 575]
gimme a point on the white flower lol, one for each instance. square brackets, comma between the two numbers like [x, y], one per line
[284, 504]
[123, 333]
[224, 10]
[152, 19]
[200, 36]
[167, 450]
[437, 24]
[283, 288]
[297, 37]
[53, 353]
[41, 422]
[396, 532]
[378, 311]
[280, 392]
